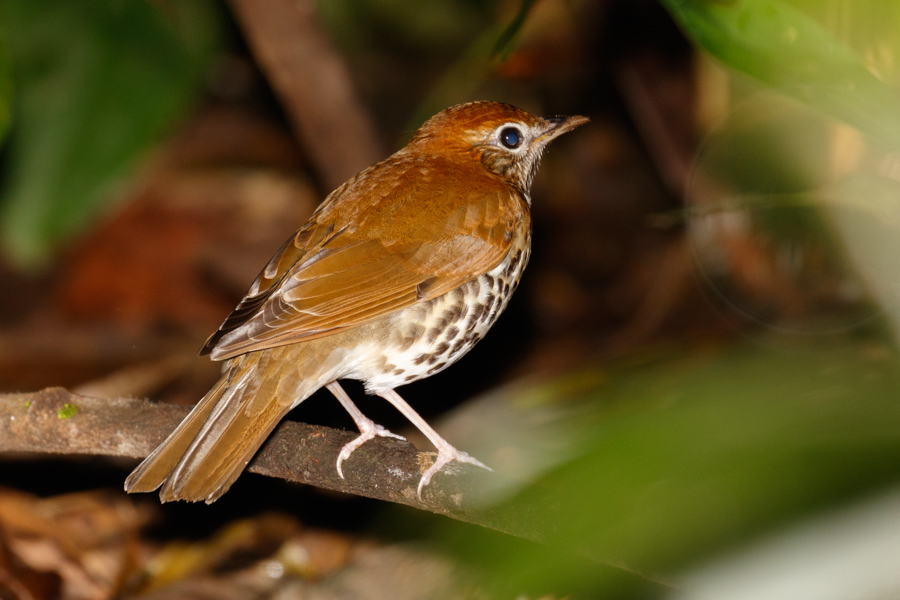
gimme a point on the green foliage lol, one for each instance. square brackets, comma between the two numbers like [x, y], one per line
[504, 43]
[97, 82]
[822, 135]
[781, 46]
[687, 457]
[5, 91]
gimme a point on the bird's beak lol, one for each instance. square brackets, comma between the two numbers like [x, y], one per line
[556, 126]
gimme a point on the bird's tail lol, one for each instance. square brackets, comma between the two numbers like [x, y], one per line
[210, 448]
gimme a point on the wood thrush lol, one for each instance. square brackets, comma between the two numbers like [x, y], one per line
[396, 276]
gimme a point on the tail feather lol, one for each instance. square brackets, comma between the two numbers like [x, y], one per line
[209, 450]
[153, 470]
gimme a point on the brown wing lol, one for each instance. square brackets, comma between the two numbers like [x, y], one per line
[410, 230]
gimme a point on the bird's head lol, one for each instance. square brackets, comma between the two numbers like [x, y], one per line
[508, 141]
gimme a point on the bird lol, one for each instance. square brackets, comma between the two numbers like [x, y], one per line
[397, 274]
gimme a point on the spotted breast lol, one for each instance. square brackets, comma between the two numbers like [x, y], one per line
[426, 338]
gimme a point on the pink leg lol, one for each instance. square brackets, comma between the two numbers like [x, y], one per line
[368, 429]
[446, 452]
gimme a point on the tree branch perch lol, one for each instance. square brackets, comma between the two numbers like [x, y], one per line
[55, 421]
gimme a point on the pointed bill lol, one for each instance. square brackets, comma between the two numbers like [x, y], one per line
[560, 125]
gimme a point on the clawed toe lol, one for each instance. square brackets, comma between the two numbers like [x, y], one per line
[382, 432]
[463, 457]
[369, 431]
[446, 455]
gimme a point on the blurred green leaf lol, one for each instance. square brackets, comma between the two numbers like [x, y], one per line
[504, 43]
[779, 45]
[5, 90]
[97, 82]
[688, 457]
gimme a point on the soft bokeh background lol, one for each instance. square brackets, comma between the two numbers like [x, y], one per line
[697, 383]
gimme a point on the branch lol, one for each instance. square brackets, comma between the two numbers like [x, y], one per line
[55, 421]
[313, 83]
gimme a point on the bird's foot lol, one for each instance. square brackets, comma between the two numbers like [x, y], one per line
[368, 429]
[446, 453]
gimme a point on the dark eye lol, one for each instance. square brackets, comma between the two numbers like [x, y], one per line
[510, 137]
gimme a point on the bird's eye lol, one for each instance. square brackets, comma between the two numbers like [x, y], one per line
[511, 137]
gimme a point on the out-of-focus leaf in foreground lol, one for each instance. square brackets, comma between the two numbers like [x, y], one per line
[781, 46]
[688, 457]
[96, 83]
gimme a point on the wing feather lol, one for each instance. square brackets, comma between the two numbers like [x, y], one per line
[397, 235]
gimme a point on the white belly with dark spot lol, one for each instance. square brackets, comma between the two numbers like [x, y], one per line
[430, 336]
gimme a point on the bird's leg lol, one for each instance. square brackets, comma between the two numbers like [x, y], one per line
[368, 429]
[446, 452]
